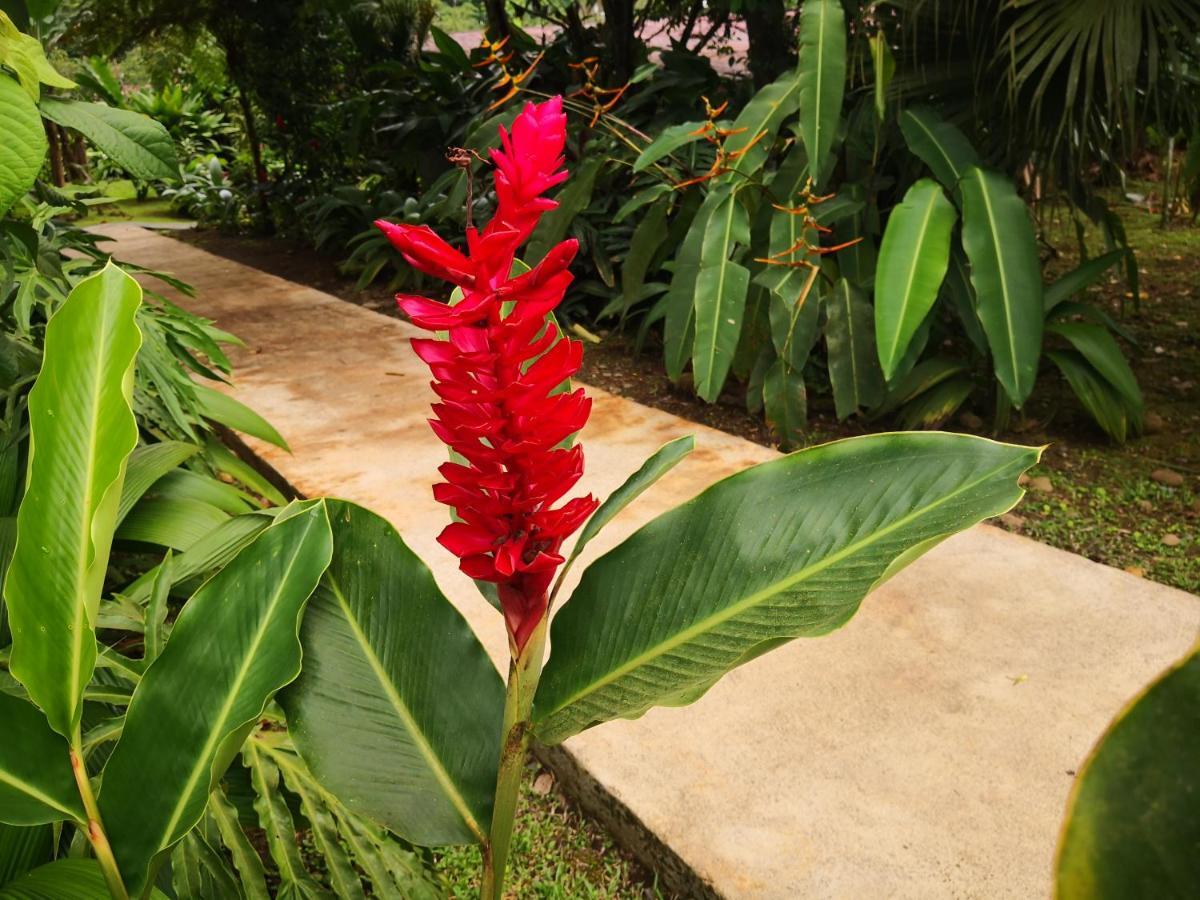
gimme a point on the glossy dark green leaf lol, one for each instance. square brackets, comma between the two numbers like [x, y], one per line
[757, 124]
[1098, 397]
[572, 200]
[785, 402]
[958, 291]
[1132, 828]
[720, 296]
[667, 142]
[933, 407]
[643, 246]
[822, 71]
[939, 144]
[1098, 347]
[679, 329]
[64, 879]
[854, 369]
[1007, 276]
[1083, 275]
[23, 848]
[82, 429]
[785, 549]
[136, 143]
[392, 669]
[233, 645]
[912, 263]
[36, 783]
[794, 315]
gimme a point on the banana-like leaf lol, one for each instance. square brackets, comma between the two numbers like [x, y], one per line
[1006, 273]
[794, 315]
[64, 879]
[940, 145]
[1100, 349]
[668, 141]
[24, 144]
[1086, 273]
[854, 369]
[234, 644]
[960, 294]
[23, 848]
[785, 402]
[183, 484]
[758, 123]
[662, 461]
[36, 782]
[679, 329]
[175, 523]
[912, 263]
[147, 464]
[1098, 397]
[1132, 828]
[82, 430]
[822, 71]
[643, 245]
[933, 407]
[785, 549]
[236, 415]
[382, 645]
[720, 299]
[138, 144]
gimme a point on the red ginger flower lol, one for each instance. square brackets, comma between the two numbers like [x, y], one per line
[496, 374]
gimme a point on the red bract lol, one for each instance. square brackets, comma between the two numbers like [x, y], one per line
[496, 374]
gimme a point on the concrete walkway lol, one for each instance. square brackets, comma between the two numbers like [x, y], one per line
[926, 750]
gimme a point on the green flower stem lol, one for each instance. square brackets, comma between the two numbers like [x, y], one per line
[523, 674]
[95, 830]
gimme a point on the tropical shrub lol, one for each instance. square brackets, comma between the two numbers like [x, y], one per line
[791, 240]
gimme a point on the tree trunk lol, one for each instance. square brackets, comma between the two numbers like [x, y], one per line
[770, 45]
[58, 171]
[619, 39]
[497, 17]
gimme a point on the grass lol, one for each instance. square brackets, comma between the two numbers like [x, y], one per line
[557, 853]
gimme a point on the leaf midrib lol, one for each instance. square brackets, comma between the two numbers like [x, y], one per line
[912, 274]
[219, 731]
[1012, 342]
[723, 266]
[730, 611]
[937, 146]
[435, 764]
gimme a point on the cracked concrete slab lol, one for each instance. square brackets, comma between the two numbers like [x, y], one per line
[926, 750]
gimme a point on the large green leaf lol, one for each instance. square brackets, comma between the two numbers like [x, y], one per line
[64, 879]
[138, 144]
[720, 298]
[82, 430]
[785, 549]
[785, 402]
[24, 144]
[1100, 349]
[23, 848]
[1098, 397]
[178, 523]
[757, 124]
[1006, 273]
[912, 263]
[668, 141]
[572, 200]
[233, 645]
[822, 71]
[1086, 273]
[236, 415]
[939, 144]
[854, 369]
[643, 246]
[36, 783]
[1132, 828]
[392, 670]
[679, 329]
[147, 464]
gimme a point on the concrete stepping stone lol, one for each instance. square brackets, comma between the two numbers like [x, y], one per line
[926, 750]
